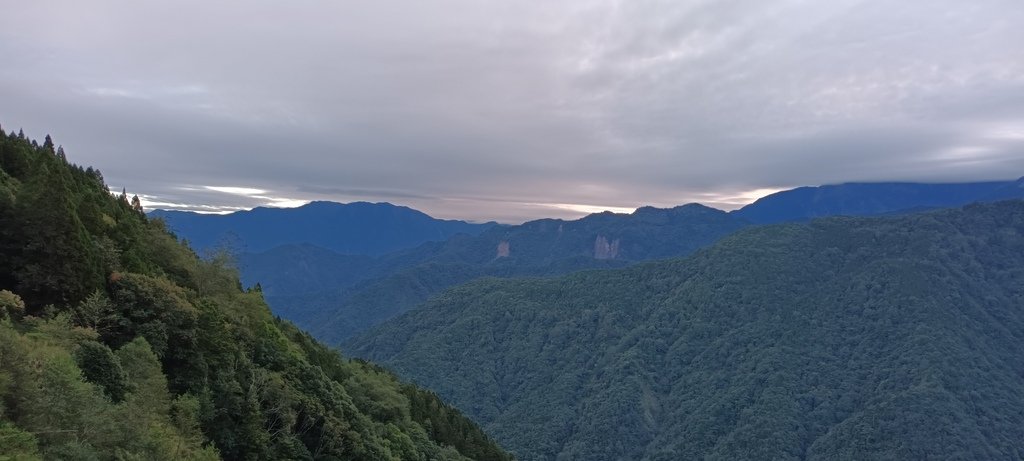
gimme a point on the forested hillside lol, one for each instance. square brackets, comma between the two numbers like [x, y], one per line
[843, 338]
[336, 296]
[544, 247]
[117, 342]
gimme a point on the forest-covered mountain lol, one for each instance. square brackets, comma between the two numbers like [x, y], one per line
[117, 342]
[337, 295]
[401, 280]
[303, 268]
[358, 228]
[843, 338]
[867, 199]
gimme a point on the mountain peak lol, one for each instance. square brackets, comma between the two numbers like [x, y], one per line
[348, 228]
[861, 199]
[693, 206]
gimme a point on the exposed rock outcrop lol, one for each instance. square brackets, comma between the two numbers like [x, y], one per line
[605, 250]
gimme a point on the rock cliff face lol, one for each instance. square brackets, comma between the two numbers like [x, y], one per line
[503, 249]
[605, 250]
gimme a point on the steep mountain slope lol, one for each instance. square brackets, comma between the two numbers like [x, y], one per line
[866, 199]
[1012, 190]
[843, 338]
[302, 268]
[117, 342]
[288, 272]
[354, 228]
[337, 297]
[543, 247]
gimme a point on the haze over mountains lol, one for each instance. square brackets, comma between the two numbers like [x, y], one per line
[543, 247]
[865, 199]
[894, 336]
[355, 228]
[118, 342]
[336, 295]
[526, 230]
[843, 338]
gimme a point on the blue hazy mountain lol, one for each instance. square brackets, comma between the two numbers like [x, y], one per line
[893, 337]
[866, 199]
[338, 291]
[302, 268]
[358, 228]
[117, 342]
[402, 280]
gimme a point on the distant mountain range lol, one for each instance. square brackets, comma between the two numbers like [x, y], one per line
[118, 343]
[859, 320]
[354, 228]
[545, 247]
[867, 199]
[894, 337]
[338, 269]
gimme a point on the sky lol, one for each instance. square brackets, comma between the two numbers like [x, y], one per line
[514, 110]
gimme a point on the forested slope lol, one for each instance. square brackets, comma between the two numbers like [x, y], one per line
[117, 342]
[537, 248]
[843, 338]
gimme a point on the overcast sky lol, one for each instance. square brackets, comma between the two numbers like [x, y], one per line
[512, 110]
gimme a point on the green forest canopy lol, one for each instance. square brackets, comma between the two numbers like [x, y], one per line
[117, 342]
[844, 338]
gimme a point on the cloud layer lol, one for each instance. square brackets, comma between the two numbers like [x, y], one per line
[515, 110]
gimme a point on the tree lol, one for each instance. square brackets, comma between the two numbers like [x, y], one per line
[136, 204]
[16, 444]
[96, 312]
[11, 305]
[101, 367]
[57, 264]
[142, 370]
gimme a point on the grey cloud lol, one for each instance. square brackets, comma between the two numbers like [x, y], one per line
[504, 110]
[335, 191]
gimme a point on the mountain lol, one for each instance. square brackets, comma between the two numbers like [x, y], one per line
[358, 228]
[1011, 190]
[336, 308]
[289, 272]
[866, 199]
[302, 268]
[543, 247]
[117, 342]
[842, 338]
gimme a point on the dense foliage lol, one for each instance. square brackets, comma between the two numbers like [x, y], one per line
[117, 342]
[843, 338]
[399, 281]
[336, 295]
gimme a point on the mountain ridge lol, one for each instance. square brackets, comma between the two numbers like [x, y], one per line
[540, 247]
[118, 342]
[832, 339]
[872, 198]
[348, 228]
[335, 296]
